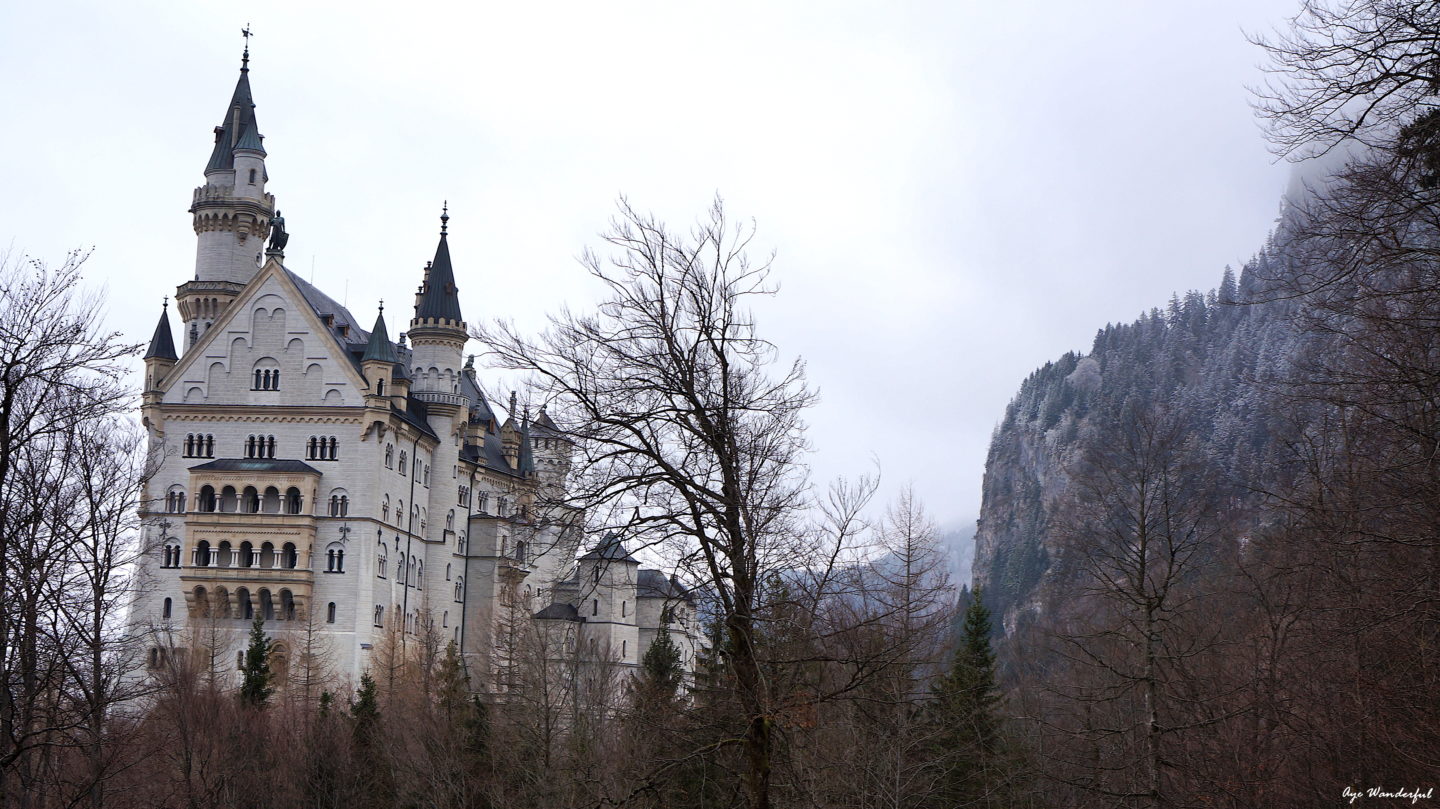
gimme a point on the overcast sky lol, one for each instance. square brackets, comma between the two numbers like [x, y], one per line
[955, 192]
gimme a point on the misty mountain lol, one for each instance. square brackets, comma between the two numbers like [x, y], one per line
[1204, 358]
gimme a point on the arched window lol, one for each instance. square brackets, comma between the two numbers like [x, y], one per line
[450, 520]
[335, 558]
[247, 555]
[202, 602]
[334, 448]
[447, 571]
[271, 503]
[207, 498]
[311, 449]
[229, 500]
[623, 609]
[290, 558]
[379, 615]
[445, 618]
[224, 554]
[427, 474]
[501, 505]
[257, 379]
[380, 560]
[389, 456]
[287, 605]
[330, 613]
[202, 554]
[250, 501]
[419, 574]
[190, 445]
[594, 606]
[250, 451]
[520, 552]
[293, 501]
[400, 512]
[267, 606]
[252, 176]
[246, 606]
[460, 543]
[459, 588]
[165, 611]
[267, 555]
[209, 446]
[385, 509]
[270, 443]
[175, 500]
[624, 648]
[402, 462]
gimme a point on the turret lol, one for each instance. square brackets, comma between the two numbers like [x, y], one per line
[161, 356]
[607, 599]
[232, 213]
[378, 364]
[510, 437]
[438, 332]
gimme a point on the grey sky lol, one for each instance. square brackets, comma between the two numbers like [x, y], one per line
[956, 192]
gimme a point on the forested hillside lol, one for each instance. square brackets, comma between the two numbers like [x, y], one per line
[1210, 361]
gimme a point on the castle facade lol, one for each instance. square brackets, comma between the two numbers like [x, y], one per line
[339, 484]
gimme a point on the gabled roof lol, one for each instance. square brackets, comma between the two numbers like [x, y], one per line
[256, 465]
[162, 345]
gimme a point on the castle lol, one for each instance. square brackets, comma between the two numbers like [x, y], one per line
[299, 464]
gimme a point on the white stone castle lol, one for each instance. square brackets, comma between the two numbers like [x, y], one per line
[329, 480]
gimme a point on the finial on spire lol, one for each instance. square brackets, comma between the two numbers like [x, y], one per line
[444, 217]
[245, 57]
[165, 302]
[382, 304]
[512, 404]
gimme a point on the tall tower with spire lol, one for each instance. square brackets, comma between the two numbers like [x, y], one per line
[438, 331]
[232, 213]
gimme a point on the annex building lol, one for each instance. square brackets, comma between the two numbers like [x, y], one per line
[329, 479]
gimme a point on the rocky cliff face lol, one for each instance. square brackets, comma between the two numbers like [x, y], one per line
[1206, 359]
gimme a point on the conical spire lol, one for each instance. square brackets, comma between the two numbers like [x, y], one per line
[237, 130]
[439, 298]
[162, 345]
[379, 348]
[527, 457]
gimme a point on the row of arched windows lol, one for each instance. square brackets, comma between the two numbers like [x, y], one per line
[221, 604]
[260, 446]
[339, 505]
[175, 501]
[334, 560]
[251, 501]
[267, 379]
[246, 554]
[199, 445]
[322, 448]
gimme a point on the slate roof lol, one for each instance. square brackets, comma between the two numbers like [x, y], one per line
[256, 465]
[236, 131]
[559, 612]
[378, 347]
[655, 584]
[439, 298]
[611, 549]
[162, 345]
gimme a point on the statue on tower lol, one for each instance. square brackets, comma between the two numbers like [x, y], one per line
[278, 236]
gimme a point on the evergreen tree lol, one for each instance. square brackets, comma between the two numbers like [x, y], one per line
[365, 711]
[256, 687]
[964, 709]
[452, 686]
[660, 671]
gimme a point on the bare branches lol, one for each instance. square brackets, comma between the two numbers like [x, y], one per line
[1349, 70]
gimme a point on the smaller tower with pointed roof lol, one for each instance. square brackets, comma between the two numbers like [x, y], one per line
[160, 357]
[438, 331]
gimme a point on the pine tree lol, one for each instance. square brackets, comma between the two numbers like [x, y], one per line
[660, 671]
[256, 687]
[365, 710]
[965, 704]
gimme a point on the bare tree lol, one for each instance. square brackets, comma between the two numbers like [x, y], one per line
[667, 390]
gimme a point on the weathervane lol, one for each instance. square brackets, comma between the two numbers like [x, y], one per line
[245, 58]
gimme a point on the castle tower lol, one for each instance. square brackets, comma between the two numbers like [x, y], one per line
[232, 214]
[438, 332]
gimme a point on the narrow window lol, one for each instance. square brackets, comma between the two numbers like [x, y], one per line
[624, 648]
[310, 449]
[380, 390]
[334, 448]
[595, 606]
[623, 609]
[402, 463]
[257, 379]
[379, 615]
[166, 612]
[252, 176]
[330, 613]
[340, 560]
[209, 446]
